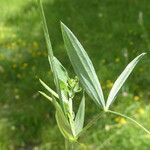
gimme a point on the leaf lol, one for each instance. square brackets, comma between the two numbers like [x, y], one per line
[121, 79]
[50, 53]
[63, 124]
[62, 121]
[79, 119]
[61, 71]
[83, 66]
[49, 89]
[46, 96]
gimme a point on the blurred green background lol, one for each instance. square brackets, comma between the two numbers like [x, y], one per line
[111, 34]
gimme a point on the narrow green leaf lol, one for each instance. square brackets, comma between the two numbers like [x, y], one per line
[50, 52]
[121, 79]
[79, 119]
[49, 89]
[46, 96]
[61, 71]
[63, 124]
[63, 79]
[62, 121]
[83, 66]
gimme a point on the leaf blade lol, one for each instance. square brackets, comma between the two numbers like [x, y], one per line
[121, 79]
[82, 65]
[61, 119]
[49, 89]
[50, 52]
[79, 119]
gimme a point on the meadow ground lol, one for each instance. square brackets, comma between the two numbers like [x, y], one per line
[112, 36]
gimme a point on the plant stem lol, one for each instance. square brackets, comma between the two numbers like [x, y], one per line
[69, 145]
[122, 115]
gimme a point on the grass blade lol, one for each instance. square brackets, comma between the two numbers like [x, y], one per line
[121, 79]
[83, 66]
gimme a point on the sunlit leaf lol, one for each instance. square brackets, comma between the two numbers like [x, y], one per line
[49, 89]
[63, 124]
[79, 119]
[121, 79]
[61, 119]
[83, 66]
[63, 79]
[46, 96]
[50, 53]
[61, 71]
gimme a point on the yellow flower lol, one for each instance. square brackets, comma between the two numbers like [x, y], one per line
[14, 66]
[136, 98]
[24, 65]
[141, 111]
[35, 44]
[109, 84]
[117, 60]
[147, 135]
[121, 120]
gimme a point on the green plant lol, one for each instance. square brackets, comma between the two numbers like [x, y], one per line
[69, 123]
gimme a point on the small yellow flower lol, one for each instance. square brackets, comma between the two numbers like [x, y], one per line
[136, 98]
[141, 111]
[147, 135]
[14, 66]
[24, 65]
[35, 44]
[117, 60]
[109, 84]
[121, 120]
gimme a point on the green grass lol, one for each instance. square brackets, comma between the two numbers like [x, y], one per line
[105, 28]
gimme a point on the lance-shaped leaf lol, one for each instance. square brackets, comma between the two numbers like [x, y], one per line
[61, 119]
[61, 71]
[63, 79]
[49, 89]
[64, 124]
[50, 53]
[83, 66]
[79, 119]
[121, 79]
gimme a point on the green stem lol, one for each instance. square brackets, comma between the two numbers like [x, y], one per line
[122, 115]
[69, 145]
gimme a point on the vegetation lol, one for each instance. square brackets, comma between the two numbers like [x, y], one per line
[28, 123]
